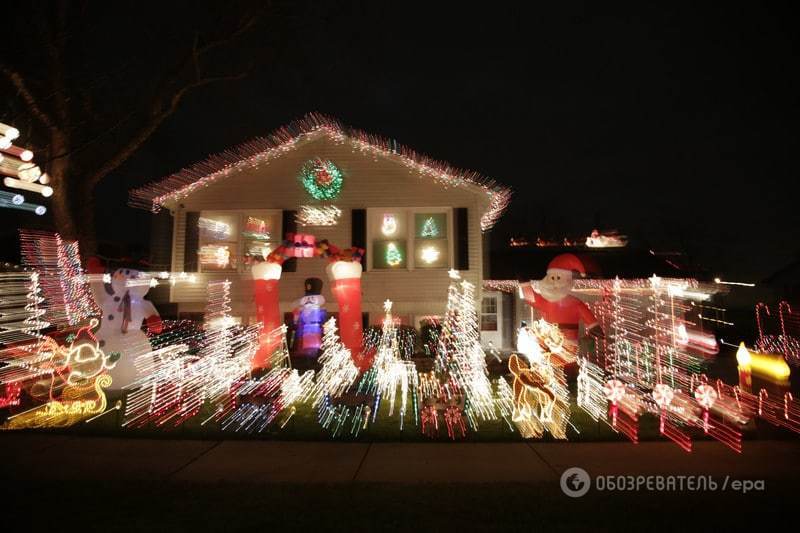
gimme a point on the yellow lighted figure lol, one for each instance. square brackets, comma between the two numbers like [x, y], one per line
[74, 386]
[765, 365]
[540, 396]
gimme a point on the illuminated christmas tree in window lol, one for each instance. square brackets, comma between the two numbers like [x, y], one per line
[393, 255]
[429, 228]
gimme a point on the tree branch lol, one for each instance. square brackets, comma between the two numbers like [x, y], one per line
[163, 105]
[157, 117]
[22, 88]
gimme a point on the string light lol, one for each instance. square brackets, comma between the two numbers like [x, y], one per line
[309, 215]
[338, 373]
[284, 140]
[64, 285]
[430, 254]
[17, 201]
[214, 229]
[322, 179]
[389, 226]
[215, 255]
[72, 378]
[429, 228]
[393, 255]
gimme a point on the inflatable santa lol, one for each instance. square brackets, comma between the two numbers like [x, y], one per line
[552, 299]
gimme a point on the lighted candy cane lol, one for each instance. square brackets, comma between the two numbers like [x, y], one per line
[705, 395]
[781, 306]
[787, 400]
[761, 305]
[763, 396]
[663, 395]
[614, 391]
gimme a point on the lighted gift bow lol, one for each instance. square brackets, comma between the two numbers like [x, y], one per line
[663, 395]
[430, 420]
[455, 421]
[706, 396]
[614, 391]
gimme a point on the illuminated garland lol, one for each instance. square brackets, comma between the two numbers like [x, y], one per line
[322, 179]
[310, 215]
[262, 150]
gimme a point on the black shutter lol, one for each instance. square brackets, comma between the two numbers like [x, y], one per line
[358, 235]
[289, 224]
[461, 233]
[191, 241]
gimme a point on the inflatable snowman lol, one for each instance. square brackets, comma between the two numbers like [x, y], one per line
[121, 298]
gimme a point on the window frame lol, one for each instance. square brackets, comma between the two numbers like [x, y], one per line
[373, 233]
[495, 314]
[239, 239]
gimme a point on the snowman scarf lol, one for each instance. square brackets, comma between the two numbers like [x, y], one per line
[125, 309]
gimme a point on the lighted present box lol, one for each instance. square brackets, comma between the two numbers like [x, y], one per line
[301, 245]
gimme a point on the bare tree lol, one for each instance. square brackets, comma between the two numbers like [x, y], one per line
[92, 121]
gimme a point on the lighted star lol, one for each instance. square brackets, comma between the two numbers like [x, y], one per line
[106, 278]
[454, 274]
[387, 306]
[430, 254]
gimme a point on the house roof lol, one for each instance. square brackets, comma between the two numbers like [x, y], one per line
[181, 184]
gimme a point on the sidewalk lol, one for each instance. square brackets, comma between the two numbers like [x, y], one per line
[32, 456]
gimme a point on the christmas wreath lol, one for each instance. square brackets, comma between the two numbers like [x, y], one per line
[322, 179]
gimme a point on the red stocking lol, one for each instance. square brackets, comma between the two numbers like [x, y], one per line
[266, 277]
[345, 277]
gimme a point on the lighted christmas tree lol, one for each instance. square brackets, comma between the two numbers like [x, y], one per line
[460, 357]
[389, 371]
[429, 228]
[338, 372]
[393, 255]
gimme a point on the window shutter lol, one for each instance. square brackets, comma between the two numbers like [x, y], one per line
[358, 235]
[191, 241]
[461, 235]
[289, 224]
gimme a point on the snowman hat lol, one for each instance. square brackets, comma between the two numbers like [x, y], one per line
[566, 263]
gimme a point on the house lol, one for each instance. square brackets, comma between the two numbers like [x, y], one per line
[417, 218]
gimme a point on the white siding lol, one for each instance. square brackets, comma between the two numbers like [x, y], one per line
[378, 181]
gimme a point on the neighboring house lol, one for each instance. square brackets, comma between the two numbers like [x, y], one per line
[416, 218]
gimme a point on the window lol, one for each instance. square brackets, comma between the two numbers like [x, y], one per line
[407, 239]
[489, 313]
[389, 244]
[430, 239]
[228, 237]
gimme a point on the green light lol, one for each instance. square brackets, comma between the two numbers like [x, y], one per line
[393, 255]
[322, 179]
[429, 228]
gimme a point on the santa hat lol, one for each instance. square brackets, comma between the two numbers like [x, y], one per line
[566, 263]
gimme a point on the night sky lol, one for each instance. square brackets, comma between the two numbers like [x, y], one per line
[675, 126]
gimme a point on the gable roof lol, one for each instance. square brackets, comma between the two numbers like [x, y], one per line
[181, 184]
